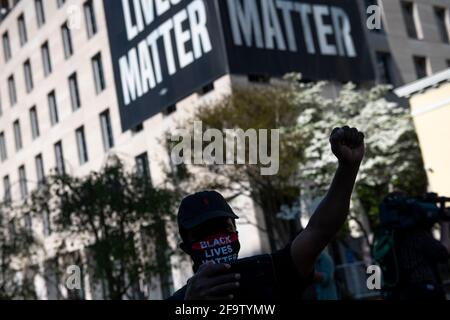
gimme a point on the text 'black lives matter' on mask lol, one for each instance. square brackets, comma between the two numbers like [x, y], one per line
[219, 248]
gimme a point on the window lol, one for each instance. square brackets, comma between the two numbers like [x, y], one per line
[89, 14]
[99, 78]
[53, 108]
[34, 123]
[448, 63]
[60, 3]
[17, 135]
[40, 14]
[6, 189]
[81, 145]
[139, 128]
[74, 92]
[409, 16]
[107, 134]
[46, 223]
[384, 67]
[23, 183]
[46, 61]
[441, 15]
[12, 90]
[28, 76]
[59, 158]
[22, 29]
[6, 47]
[67, 40]
[142, 165]
[3, 151]
[169, 110]
[40, 173]
[258, 78]
[420, 64]
[206, 89]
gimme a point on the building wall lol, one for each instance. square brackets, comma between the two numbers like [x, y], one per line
[395, 39]
[431, 112]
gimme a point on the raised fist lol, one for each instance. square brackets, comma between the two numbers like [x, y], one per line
[347, 145]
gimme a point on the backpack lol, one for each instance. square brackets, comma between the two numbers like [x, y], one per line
[384, 254]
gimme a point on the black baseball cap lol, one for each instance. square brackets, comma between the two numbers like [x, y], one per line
[200, 207]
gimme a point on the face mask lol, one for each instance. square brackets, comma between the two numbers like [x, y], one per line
[220, 248]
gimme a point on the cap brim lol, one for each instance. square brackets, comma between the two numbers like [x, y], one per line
[206, 217]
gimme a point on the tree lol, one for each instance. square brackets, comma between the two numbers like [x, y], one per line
[393, 159]
[17, 250]
[119, 219]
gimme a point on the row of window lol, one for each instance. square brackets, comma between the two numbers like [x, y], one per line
[90, 20]
[97, 67]
[386, 72]
[141, 162]
[107, 136]
[412, 20]
[52, 105]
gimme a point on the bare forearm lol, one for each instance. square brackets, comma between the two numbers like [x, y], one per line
[334, 208]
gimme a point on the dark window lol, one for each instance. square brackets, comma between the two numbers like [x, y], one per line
[143, 165]
[60, 3]
[384, 67]
[17, 135]
[59, 158]
[22, 30]
[28, 76]
[40, 173]
[99, 78]
[107, 133]
[3, 151]
[420, 64]
[81, 146]
[442, 23]
[6, 190]
[258, 78]
[12, 90]
[206, 89]
[46, 59]
[137, 129]
[40, 14]
[6, 47]
[169, 110]
[74, 92]
[408, 16]
[53, 108]
[89, 14]
[67, 40]
[23, 182]
[34, 123]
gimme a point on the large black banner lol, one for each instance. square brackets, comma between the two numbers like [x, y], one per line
[322, 39]
[164, 50]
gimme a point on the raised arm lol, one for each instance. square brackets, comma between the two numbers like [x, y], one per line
[347, 145]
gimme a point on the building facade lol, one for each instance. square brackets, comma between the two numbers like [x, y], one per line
[59, 108]
[429, 99]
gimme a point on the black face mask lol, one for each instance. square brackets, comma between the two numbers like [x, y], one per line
[221, 248]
